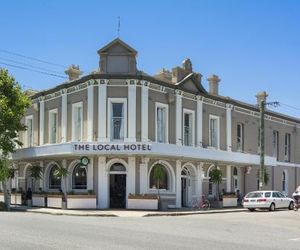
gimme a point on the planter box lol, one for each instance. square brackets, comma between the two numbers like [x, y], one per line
[54, 201]
[16, 199]
[143, 204]
[229, 201]
[81, 202]
[1, 197]
[38, 200]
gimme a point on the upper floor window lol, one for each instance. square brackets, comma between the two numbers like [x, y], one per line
[240, 137]
[162, 122]
[118, 118]
[29, 131]
[77, 122]
[214, 128]
[188, 127]
[275, 144]
[287, 147]
[53, 126]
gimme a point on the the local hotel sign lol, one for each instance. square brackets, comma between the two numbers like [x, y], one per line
[92, 147]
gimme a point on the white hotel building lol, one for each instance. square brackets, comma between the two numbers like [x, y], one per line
[126, 121]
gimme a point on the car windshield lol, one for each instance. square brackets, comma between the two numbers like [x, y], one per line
[254, 195]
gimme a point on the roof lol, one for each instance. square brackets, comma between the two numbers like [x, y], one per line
[117, 41]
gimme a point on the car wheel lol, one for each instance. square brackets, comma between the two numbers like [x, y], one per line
[272, 207]
[251, 209]
[291, 206]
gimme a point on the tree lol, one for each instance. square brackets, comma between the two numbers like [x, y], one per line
[62, 173]
[6, 173]
[216, 178]
[13, 105]
[158, 175]
[36, 173]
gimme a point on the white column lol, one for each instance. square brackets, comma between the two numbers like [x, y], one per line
[64, 116]
[42, 121]
[228, 178]
[65, 188]
[144, 111]
[199, 121]
[102, 183]
[179, 139]
[42, 177]
[90, 175]
[199, 179]
[178, 184]
[131, 111]
[144, 176]
[90, 112]
[228, 127]
[102, 111]
[130, 182]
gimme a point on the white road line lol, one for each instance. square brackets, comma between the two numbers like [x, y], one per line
[297, 239]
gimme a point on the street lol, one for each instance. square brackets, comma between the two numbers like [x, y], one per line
[244, 230]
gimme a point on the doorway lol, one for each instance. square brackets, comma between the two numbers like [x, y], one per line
[117, 186]
[184, 192]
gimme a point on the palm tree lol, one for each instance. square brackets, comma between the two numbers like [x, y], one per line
[158, 175]
[61, 173]
[36, 173]
[216, 178]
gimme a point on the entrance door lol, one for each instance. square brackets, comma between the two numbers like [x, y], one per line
[184, 190]
[118, 190]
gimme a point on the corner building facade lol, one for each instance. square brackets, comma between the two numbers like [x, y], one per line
[125, 122]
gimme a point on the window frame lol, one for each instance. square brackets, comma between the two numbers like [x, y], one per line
[166, 106]
[242, 136]
[192, 113]
[110, 113]
[73, 179]
[74, 106]
[27, 144]
[217, 118]
[275, 144]
[50, 113]
[287, 147]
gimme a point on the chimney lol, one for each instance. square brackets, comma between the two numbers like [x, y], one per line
[261, 96]
[73, 72]
[213, 84]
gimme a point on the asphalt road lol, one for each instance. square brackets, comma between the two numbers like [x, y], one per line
[245, 230]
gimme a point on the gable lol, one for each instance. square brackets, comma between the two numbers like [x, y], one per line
[117, 46]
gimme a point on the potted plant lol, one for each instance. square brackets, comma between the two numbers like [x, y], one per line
[62, 173]
[216, 178]
[158, 175]
[143, 201]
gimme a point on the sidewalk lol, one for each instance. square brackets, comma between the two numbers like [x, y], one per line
[124, 213]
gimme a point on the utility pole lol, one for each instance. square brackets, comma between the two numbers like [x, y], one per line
[261, 100]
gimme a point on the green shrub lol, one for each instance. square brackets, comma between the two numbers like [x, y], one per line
[2, 206]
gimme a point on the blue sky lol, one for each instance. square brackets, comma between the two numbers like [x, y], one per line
[251, 45]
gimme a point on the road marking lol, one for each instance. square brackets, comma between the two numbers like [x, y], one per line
[297, 239]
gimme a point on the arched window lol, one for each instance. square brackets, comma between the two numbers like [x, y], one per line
[79, 178]
[117, 167]
[163, 182]
[284, 182]
[54, 181]
[235, 172]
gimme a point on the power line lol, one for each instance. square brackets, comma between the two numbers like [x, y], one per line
[29, 65]
[290, 106]
[33, 70]
[32, 58]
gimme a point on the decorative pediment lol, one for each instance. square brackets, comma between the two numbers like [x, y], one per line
[117, 46]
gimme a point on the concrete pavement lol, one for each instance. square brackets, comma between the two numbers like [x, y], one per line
[125, 213]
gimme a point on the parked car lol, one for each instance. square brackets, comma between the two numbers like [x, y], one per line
[267, 200]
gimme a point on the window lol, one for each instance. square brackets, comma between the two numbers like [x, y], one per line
[188, 127]
[79, 177]
[287, 147]
[162, 123]
[53, 126]
[267, 194]
[54, 180]
[163, 183]
[284, 182]
[77, 122]
[117, 127]
[214, 139]
[240, 137]
[29, 131]
[275, 143]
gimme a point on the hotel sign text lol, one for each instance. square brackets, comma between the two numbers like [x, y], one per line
[88, 147]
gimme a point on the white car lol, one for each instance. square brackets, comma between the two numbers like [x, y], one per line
[267, 200]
